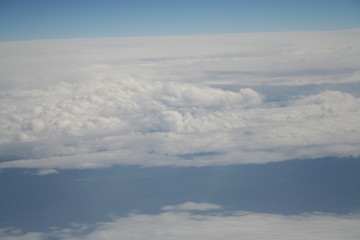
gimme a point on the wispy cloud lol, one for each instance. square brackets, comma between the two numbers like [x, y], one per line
[191, 206]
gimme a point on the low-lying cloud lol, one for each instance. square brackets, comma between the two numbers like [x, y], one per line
[192, 223]
[115, 106]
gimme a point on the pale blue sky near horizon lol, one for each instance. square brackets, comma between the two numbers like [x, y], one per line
[40, 19]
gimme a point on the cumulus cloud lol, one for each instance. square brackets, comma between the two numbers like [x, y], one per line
[152, 101]
[188, 225]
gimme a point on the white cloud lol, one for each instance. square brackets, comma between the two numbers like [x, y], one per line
[42, 172]
[186, 95]
[147, 100]
[186, 225]
[191, 206]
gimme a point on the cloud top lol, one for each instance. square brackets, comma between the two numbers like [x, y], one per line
[152, 101]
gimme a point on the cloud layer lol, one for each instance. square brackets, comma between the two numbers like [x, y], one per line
[153, 101]
[188, 224]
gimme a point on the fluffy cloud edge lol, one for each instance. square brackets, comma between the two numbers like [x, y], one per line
[133, 101]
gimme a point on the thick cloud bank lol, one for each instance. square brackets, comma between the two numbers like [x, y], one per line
[179, 101]
[186, 221]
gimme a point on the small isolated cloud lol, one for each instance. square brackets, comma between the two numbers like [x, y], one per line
[191, 206]
[42, 172]
[148, 101]
[179, 225]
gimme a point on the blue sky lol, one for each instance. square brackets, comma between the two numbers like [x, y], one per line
[39, 19]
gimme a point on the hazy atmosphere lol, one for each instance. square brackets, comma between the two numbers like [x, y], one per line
[179, 120]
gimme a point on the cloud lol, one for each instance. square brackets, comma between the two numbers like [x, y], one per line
[191, 206]
[42, 172]
[186, 95]
[151, 101]
[188, 225]
[17, 235]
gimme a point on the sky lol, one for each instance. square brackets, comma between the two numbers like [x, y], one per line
[179, 120]
[40, 19]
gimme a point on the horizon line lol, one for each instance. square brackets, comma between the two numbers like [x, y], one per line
[180, 35]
